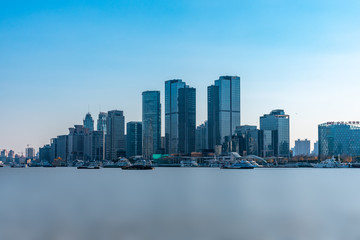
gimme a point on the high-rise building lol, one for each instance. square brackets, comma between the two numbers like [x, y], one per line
[30, 153]
[315, 151]
[201, 138]
[115, 144]
[45, 154]
[101, 122]
[339, 138]
[223, 109]
[247, 140]
[180, 117]
[133, 139]
[151, 123]
[76, 143]
[94, 148]
[302, 148]
[276, 133]
[89, 122]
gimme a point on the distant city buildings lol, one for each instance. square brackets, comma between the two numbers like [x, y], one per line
[101, 122]
[94, 149]
[151, 123]
[315, 151]
[201, 137]
[275, 134]
[246, 141]
[76, 144]
[302, 148]
[89, 122]
[339, 138]
[30, 153]
[115, 135]
[180, 117]
[133, 139]
[223, 109]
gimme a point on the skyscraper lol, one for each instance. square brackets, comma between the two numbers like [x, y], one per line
[201, 138]
[95, 146]
[75, 142]
[101, 122]
[29, 153]
[223, 109]
[180, 117]
[115, 135]
[151, 123]
[89, 122]
[276, 132]
[133, 139]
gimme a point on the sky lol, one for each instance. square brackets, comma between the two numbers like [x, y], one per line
[61, 59]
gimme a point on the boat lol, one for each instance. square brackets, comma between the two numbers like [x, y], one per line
[122, 162]
[90, 165]
[243, 164]
[18, 166]
[189, 163]
[331, 163]
[139, 165]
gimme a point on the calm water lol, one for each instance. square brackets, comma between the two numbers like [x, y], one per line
[175, 203]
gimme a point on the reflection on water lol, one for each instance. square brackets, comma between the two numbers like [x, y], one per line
[174, 203]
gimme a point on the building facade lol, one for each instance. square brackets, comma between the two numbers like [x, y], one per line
[95, 146]
[115, 144]
[133, 139]
[223, 109]
[276, 133]
[201, 137]
[302, 148]
[101, 122]
[89, 122]
[75, 143]
[151, 123]
[30, 153]
[339, 138]
[180, 117]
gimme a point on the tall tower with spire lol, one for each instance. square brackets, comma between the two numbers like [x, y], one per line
[89, 122]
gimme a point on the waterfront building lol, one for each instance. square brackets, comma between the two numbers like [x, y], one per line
[302, 148]
[11, 156]
[276, 134]
[29, 153]
[75, 144]
[45, 153]
[89, 122]
[115, 144]
[3, 156]
[315, 151]
[223, 110]
[339, 138]
[201, 137]
[133, 139]
[180, 117]
[247, 140]
[151, 123]
[101, 122]
[94, 148]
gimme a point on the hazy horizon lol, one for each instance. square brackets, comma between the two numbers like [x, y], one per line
[60, 58]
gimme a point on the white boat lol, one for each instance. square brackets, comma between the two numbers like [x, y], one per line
[189, 163]
[243, 164]
[122, 162]
[331, 163]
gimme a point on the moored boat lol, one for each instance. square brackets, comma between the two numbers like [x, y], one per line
[139, 165]
[243, 164]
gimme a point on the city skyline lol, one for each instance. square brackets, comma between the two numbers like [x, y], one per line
[59, 58]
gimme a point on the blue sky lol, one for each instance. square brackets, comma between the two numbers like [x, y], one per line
[59, 57]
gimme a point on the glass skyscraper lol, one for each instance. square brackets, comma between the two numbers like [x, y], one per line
[279, 124]
[133, 139]
[151, 120]
[339, 138]
[115, 135]
[101, 122]
[89, 122]
[223, 109]
[180, 117]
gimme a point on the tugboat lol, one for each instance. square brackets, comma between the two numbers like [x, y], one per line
[243, 164]
[139, 165]
[91, 165]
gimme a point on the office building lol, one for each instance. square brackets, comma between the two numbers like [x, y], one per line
[45, 154]
[180, 117]
[29, 153]
[76, 144]
[94, 148]
[133, 139]
[101, 122]
[201, 138]
[151, 123]
[302, 148]
[246, 140]
[115, 144]
[89, 122]
[223, 109]
[276, 134]
[339, 138]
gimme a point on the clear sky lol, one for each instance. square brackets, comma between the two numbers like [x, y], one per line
[59, 57]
